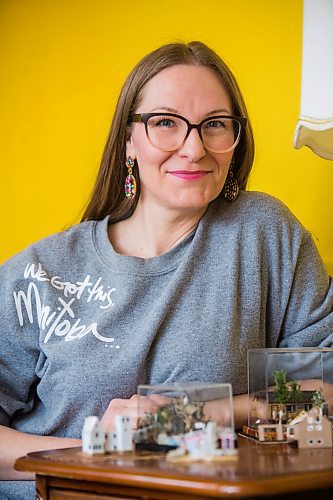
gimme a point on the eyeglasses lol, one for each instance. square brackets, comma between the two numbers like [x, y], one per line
[168, 131]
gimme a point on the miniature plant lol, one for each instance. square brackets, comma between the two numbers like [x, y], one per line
[286, 392]
[295, 391]
[177, 417]
[282, 392]
[171, 422]
[318, 398]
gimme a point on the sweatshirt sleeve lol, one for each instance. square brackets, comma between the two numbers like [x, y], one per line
[308, 319]
[19, 345]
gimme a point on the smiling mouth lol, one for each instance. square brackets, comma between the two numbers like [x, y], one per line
[188, 175]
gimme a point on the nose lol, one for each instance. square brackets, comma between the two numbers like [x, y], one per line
[193, 147]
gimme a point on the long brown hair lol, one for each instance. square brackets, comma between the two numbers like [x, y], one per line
[108, 197]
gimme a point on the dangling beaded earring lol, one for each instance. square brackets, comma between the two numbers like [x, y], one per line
[130, 182]
[231, 189]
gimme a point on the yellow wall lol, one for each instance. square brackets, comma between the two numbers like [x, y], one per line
[63, 62]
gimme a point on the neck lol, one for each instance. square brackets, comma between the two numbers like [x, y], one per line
[149, 233]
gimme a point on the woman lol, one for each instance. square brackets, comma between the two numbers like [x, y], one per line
[173, 274]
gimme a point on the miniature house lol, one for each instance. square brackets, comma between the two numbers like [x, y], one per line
[287, 380]
[228, 439]
[287, 383]
[313, 431]
[289, 409]
[96, 441]
[272, 432]
[93, 436]
[123, 433]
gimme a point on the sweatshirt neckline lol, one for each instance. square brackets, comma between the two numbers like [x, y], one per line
[124, 264]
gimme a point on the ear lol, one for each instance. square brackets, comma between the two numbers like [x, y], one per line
[130, 150]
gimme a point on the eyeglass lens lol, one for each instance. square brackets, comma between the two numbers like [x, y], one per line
[168, 132]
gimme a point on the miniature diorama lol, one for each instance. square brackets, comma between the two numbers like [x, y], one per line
[192, 422]
[288, 394]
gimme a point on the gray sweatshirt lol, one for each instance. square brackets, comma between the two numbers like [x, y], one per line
[81, 325]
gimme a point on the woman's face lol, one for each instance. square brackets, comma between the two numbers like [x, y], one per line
[190, 177]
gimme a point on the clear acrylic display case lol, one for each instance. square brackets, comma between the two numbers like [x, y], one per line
[283, 382]
[168, 412]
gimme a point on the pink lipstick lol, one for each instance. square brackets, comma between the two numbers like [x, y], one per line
[188, 175]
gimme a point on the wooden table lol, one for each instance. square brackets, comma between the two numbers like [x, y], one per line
[261, 471]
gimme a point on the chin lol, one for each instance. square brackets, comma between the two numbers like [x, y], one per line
[197, 200]
[193, 204]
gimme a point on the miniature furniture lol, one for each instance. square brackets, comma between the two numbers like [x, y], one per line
[279, 471]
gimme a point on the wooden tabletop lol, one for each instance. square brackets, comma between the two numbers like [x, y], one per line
[261, 468]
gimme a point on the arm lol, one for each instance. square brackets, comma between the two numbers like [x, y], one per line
[16, 444]
[134, 407]
[19, 355]
[213, 410]
[241, 407]
[308, 316]
[216, 411]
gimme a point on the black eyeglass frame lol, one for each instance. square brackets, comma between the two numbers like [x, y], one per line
[144, 117]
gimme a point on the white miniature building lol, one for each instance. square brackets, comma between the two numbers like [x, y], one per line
[110, 444]
[96, 441]
[123, 433]
[210, 439]
[93, 436]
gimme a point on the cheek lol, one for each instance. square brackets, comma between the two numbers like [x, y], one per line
[223, 163]
[152, 158]
[145, 153]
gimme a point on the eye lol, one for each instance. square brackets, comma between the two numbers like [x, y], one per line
[165, 123]
[218, 123]
[161, 122]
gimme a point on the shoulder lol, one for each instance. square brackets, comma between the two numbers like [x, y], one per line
[255, 205]
[58, 249]
[257, 220]
[257, 210]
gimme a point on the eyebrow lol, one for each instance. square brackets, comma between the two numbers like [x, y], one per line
[171, 110]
